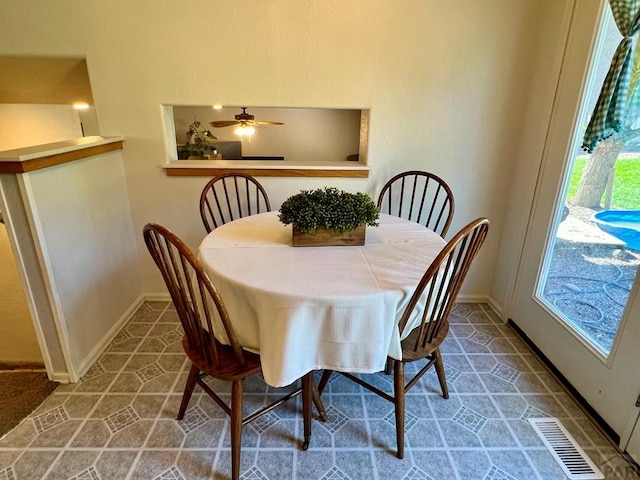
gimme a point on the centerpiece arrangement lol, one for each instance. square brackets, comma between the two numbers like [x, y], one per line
[329, 216]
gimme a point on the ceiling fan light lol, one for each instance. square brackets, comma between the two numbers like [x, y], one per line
[245, 130]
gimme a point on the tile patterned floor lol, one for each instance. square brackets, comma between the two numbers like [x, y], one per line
[118, 422]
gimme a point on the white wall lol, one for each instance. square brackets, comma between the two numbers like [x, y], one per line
[18, 342]
[82, 220]
[26, 125]
[528, 150]
[89, 122]
[447, 84]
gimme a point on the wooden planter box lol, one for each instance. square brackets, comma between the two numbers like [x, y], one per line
[322, 237]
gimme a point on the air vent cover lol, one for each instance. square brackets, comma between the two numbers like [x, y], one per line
[569, 455]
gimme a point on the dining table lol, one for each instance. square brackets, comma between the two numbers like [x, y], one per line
[314, 308]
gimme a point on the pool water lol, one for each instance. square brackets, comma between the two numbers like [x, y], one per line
[622, 224]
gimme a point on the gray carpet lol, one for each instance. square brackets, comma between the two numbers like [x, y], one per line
[20, 394]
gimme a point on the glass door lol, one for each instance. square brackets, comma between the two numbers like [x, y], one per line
[576, 293]
[594, 251]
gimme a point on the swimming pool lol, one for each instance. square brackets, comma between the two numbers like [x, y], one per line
[622, 224]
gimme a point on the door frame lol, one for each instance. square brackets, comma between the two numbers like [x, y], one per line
[537, 169]
[566, 91]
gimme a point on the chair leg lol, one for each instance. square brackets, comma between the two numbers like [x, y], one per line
[398, 393]
[188, 390]
[236, 428]
[324, 380]
[307, 394]
[441, 376]
[322, 413]
[388, 369]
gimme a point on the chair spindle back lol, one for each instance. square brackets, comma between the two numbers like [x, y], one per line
[421, 197]
[193, 294]
[441, 283]
[231, 196]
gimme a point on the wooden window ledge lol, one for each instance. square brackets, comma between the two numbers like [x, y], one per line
[37, 157]
[266, 168]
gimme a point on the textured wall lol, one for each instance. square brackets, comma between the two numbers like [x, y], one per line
[89, 247]
[446, 83]
[18, 343]
[26, 125]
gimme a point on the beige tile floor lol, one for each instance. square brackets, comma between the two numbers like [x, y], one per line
[119, 421]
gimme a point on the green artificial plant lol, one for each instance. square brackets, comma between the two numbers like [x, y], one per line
[198, 141]
[328, 208]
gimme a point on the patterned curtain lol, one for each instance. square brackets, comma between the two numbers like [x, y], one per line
[609, 113]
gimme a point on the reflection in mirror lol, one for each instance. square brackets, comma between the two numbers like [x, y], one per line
[301, 135]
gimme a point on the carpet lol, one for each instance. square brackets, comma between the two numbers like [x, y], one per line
[20, 394]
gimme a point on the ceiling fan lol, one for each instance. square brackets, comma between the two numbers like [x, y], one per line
[245, 121]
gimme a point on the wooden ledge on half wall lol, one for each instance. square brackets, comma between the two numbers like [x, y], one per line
[28, 159]
[266, 168]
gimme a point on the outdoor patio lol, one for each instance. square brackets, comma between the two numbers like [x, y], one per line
[590, 276]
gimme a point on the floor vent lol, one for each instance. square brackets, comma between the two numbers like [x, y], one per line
[569, 455]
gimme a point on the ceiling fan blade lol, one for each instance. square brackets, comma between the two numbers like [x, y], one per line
[224, 123]
[267, 123]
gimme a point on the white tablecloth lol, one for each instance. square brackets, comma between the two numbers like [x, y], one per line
[309, 308]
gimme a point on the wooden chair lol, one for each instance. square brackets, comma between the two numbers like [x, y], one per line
[421, 197]
[230, 196]
[437, 291]
[201, 310]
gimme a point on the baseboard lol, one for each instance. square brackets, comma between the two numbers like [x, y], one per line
[60, 378]
[157, 297]
[23, 366]
[487, 299]
[99, 349]
[165, 297]
[588, 409]
[471, 299]
[494, 306]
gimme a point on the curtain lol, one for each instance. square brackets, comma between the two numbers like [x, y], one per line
[609, 113]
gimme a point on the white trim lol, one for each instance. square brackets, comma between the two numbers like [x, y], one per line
[34, 152]
[26, 191]
[495, 307]
[60, 377]
[472, 298]
[101, 346]
[157, 297]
